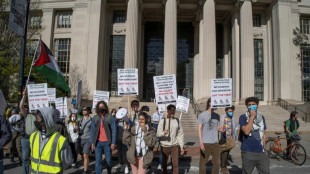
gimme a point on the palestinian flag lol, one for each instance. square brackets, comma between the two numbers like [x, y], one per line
[47, 66]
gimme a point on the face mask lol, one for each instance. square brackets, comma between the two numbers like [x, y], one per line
[101, 111]
[230, 114]
[38, 125]
[73, 118]
[253, 107]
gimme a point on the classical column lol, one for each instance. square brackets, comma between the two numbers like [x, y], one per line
[247, 50]
[201, 66]
[209, 48]
[170, 48]
[227, 62]
[132, 29]
[196, 61]
[235, 33]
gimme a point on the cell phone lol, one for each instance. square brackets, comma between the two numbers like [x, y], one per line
[202, 153]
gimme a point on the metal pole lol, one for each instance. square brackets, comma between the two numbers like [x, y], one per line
[22, 56]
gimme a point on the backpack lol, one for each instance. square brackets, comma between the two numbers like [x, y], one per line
[284, 126]
[174, 118]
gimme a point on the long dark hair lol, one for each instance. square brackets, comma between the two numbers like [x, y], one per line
[105, 105]
[208, 103]
[146, 117]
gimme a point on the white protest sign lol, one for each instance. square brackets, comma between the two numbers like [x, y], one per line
[182, 104]
[165, 89]
[161, 108]
[37, 96]
[221, 93]
[51, 93]
[2, 104]
[127, 81]
[79, 93]
[61, 105]
[17, 16]
[100, 96]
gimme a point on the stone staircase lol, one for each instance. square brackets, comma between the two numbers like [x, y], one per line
[274, 115]
[188, 120]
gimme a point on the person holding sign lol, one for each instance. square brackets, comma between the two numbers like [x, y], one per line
[103, 136]
[253, 137]
[208, 128]
[29, 129]
[141, 140]
[230, 128]
[172, 139]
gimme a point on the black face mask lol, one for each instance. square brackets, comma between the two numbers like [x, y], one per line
[38, 125]
[102, 110]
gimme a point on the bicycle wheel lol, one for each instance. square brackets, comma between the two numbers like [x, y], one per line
[270, 146]
[298, 154]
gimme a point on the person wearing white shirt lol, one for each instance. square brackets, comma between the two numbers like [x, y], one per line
[156, 118]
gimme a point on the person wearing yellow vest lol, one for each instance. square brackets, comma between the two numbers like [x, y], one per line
[50, 152]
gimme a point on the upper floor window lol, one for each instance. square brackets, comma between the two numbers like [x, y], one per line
[305, 25]
[119, 16]
[64, 19]
[62, 54]
[36, 22]
[256, 20]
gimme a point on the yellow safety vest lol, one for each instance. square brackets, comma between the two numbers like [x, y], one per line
[49, 160]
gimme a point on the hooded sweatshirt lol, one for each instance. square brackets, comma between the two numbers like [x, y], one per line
[49, 116]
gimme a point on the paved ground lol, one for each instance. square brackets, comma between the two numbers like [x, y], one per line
[190, 162]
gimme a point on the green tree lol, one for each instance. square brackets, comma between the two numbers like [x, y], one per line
[10, 47]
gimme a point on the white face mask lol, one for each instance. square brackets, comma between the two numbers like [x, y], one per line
[73, 118]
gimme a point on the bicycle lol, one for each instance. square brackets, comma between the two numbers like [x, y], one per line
[297, 152]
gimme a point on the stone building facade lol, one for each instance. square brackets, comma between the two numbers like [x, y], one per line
[261, 44]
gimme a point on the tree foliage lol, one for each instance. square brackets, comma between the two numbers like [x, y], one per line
[10, 49]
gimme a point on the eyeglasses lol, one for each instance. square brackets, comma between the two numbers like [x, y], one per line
[84, 109]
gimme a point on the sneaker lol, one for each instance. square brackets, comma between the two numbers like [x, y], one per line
[126, 170]
[73, 165]
[159, 167]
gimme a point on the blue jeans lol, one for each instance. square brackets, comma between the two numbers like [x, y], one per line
[100, 147]
[1, 166]
[26, 154]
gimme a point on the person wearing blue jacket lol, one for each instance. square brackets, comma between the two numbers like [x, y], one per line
[5, 137]
[103, 136]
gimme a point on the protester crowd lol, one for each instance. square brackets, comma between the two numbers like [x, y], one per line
[46, 143]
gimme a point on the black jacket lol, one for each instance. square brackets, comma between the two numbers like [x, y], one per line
[5, 134]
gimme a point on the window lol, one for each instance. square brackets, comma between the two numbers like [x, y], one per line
[256, 20]
[259, 69]
[62, 54]
[64, 19]
[36, 22]
[117, 54]
[305, 68]
[305, 26]
[119, 16]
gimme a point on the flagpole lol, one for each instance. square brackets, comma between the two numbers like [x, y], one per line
[35, 52]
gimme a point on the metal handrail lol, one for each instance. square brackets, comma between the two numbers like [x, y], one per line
[284, 104]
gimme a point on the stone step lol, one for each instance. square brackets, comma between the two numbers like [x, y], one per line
[274, 115]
